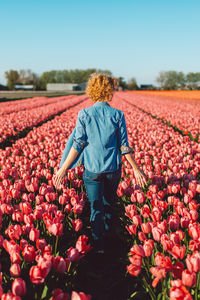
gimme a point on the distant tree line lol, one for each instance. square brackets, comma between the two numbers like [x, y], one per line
[168, 80]
[27, 77]
[173, 80]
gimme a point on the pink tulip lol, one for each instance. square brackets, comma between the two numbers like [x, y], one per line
[60, 264]
[29, 253]
[15, 270]
[73, 254]
[34, 234]
[19, 287]
[35, 274]
[157, 233]
[80, 296]
[188, 279]
[138, 250]
[133, 270]
[58, 294]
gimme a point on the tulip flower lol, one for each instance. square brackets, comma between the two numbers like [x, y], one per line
[58, 294]
[80, 296]
[188, 279]
[133, 270]
[15, 270]
[19, 287]
[36, 275]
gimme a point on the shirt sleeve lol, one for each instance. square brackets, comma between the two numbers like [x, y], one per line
[123, 137]
[67, 147]
[80, 134]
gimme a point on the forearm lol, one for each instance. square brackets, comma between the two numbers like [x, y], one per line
[73, 153]
[131, 161]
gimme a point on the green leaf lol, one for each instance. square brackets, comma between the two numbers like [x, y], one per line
[159, 296]
[44, 293]
[131, 296]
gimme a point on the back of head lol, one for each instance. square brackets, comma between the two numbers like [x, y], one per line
[101, 87]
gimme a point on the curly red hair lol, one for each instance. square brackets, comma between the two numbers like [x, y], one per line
[101, 87]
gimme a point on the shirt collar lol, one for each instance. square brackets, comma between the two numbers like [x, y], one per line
[100, 103]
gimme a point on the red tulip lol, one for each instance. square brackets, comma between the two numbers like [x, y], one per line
[158, 272]
[78, 209]
[137, 220]
[34, 234]
[142, 237]
[145, 211]
[178, 291]
[194, 231]
[174, 237]
[178, 251]
[25, 207]
[10, 296]
[185, 222]
[28, 219]
[193, 262]
[178, 269]
[63, 199]
[60, 264]
[15, 257]
[68, 208]
[157, 233]
[148, 248]
[77, 224]
[40, 244]
[19, 287]
[80, 296]
[156, 213]
[82, 245]
[55, 228]
[28, 253]
[35, 274]
[136, 260]
[131, 210]
[194, 245]
[188, 279]
[173, 222]
[15, 270]
[166, 242]
[58, 294]
[133, 270]
[73, 254]
[138, 250]
[146, 227]
[132, 229]
[18, 216]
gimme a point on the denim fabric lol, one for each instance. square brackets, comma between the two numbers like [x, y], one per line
[101, 190]
[101, 132]
[79, 160]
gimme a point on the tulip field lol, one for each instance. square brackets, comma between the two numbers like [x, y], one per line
[45, 232]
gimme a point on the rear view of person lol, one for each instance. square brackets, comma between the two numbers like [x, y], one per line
[101, 136]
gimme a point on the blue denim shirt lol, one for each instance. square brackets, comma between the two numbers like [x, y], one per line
[79, 160]
[101, 135]
[106, 127]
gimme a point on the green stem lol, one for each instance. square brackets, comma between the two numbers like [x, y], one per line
[69, 266]
[163, 290]
[197, 286]
[56, 244]
[148, 288]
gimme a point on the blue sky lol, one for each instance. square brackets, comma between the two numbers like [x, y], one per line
[132, 38]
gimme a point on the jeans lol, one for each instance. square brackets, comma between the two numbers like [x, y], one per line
[101, 190]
